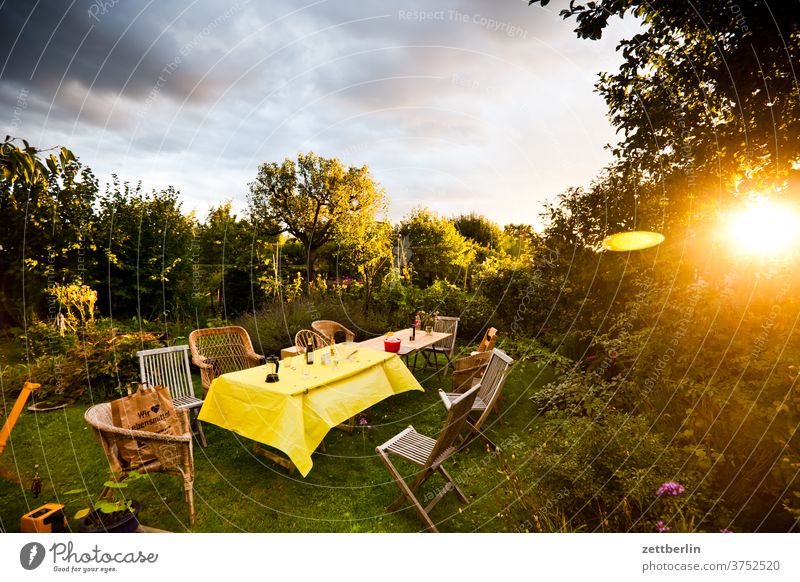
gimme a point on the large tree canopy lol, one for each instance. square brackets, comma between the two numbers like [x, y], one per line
[706, 97]
[314, 199]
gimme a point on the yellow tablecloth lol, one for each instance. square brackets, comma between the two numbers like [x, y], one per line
[294, 414]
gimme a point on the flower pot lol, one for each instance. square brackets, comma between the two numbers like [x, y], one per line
[122, 521]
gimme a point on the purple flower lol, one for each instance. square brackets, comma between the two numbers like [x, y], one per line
[661, 526]
[362, 421]
[670, 488]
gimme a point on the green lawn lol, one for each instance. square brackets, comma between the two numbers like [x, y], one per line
[236, 491]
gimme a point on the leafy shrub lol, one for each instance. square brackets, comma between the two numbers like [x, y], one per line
[274, 326]
[600, 473]
[473, 310]
[100, 366]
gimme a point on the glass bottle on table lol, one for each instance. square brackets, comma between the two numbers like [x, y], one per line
[310, 351]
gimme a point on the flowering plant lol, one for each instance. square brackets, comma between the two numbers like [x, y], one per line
[427, 318]
[670, 488]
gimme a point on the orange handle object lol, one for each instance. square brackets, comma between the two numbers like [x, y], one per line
[15, 412]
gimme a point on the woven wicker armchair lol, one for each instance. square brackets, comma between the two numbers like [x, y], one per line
[328, 329]
[302, 337]
[221, 350]
[173, 452]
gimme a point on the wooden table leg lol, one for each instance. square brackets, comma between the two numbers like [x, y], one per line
[274, 457]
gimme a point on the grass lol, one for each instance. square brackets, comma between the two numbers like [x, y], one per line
[237, 491]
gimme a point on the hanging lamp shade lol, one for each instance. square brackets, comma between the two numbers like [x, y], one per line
[635, 240]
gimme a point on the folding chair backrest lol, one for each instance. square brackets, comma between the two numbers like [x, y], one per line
[449, 325]
[467, 369]
[302, 337]
[487, 343]
[328, 329]
[494, 377]
[226, 348]
[167, 367]
[457, 414]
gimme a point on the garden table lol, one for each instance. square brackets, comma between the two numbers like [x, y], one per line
[408, 347]
[294, 414]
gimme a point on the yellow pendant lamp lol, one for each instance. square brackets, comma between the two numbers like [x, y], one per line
[635, 240]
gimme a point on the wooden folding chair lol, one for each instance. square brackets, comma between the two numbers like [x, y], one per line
[446, 346]
[169, 367]
[489, 389]
[488, 341]
[468, 371]
[428, 454]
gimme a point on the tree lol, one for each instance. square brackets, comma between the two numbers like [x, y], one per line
[314, 199]
[437, 250]
[706, 102]
[145, 245]
[478, 229]
[368, 252]
[706, 97]
[45, 233]
[231, 259]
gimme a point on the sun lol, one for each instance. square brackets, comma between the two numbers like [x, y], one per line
[765, 228]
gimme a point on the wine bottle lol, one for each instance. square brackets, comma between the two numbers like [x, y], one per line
[310, 351]
[413, 330]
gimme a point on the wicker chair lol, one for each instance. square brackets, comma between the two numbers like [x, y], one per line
[302, 337]
[170, 367]
[328, 329]
[173, 453]
[488, 393]
[318, 340]
[428, 454]
[221, 350]
[446, 346]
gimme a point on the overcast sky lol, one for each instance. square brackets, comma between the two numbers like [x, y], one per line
[459, 105]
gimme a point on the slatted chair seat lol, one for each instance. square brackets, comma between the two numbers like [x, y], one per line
[188, 402]
[489, 388]
[411, 446]
[428, 454]
[169, 367]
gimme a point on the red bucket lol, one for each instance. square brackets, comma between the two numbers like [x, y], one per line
[391, 344]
